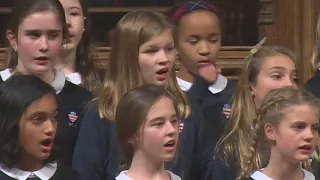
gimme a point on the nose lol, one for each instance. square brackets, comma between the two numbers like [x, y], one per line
[309, 135]
[43, 44]
[204, 49]
[172, 129]
[288, 82]
[163, 58]
[68, 21]
[50, 127]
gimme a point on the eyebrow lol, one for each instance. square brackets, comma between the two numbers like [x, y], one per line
[74, 7]
[197, 36]
[161, 118]
[151, 45]
[36, 30]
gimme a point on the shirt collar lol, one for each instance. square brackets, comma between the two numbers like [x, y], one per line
[215, 88]
[44, 173]
[75, 78]
[58, 82]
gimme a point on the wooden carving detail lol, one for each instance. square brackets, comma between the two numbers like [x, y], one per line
[266, 12]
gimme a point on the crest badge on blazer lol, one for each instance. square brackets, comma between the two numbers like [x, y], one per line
[73, 117]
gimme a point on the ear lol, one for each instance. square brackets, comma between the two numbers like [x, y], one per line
[12, 39]
[133, 140]
[270, 132]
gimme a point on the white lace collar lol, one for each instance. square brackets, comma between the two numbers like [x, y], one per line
[58, 82]
[215, 88]
[44, 173]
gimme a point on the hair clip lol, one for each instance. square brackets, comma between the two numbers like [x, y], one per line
[256, 48]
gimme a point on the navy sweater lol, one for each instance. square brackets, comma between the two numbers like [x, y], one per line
[97, 150]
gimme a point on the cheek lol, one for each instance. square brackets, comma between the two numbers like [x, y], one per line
[145, 63]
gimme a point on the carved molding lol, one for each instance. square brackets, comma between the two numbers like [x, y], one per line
[266, 12]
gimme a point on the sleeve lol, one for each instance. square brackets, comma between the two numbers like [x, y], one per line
[96, 152]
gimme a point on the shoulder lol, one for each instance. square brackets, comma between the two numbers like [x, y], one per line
[72, 89]
[122, 176]
[65, 172]
[173, 176]
[308, 175]
[313, 85]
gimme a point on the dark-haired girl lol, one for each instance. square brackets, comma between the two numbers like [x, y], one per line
[28, 124]
[76, 58]
[36, 33]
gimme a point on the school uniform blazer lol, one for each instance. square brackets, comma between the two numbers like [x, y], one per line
[97, 150]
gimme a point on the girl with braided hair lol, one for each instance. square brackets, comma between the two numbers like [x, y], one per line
[288, 123]
[267, 68]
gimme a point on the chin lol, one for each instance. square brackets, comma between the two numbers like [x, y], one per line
[168, 157]
[41, 69]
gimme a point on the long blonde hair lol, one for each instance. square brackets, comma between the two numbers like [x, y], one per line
[315, 58]
[272, 111]
[235, 141]
[133, 30]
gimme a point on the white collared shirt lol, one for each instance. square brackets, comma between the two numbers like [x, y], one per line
[215, 88]
[58, 82]
[44, 173]
[258, 175]
[75, 78]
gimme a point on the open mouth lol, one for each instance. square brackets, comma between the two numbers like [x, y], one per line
[170, 144]
[42, 58]
[162, 74]
[47, 144]
[163, 71]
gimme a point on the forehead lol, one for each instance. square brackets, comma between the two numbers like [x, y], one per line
[45, 104]
[199, 22]
[304, 112]
[278, 61]
[163, 38]
[161, 108]
[71, 4]
[41, 21]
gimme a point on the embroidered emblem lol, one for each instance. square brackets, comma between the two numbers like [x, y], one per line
[181, 125]
[226, 110]
[72, 118]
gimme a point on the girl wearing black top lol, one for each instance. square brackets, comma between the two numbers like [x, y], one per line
[36, 33]
[28, 120]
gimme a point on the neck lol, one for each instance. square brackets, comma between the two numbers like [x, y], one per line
[67, 61]
[184, 74]
[47, 77]
[280, 168]
[30, 164]
[143, 169]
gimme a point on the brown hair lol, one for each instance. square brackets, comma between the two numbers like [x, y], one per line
[132, 111]
[123, 74]
[272, 111]
[22, 9]
[315, 59]
[235, 141]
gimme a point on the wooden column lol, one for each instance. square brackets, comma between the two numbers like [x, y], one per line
[291, 23]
